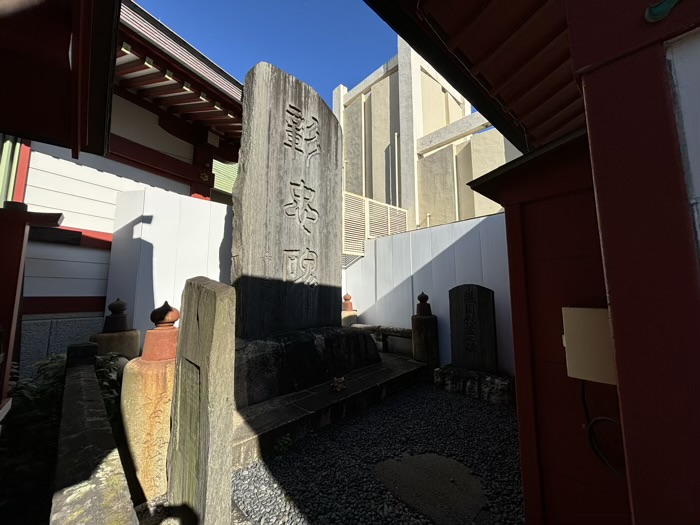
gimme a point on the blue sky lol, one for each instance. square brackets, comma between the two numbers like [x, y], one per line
[322, 42]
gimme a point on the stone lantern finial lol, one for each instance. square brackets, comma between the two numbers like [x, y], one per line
[423, 308]
[347, 303]
[116, 321]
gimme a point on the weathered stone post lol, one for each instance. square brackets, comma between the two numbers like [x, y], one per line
[348, 313]
[116, 334]
[425, 335]
[147, 392]
[200, 461]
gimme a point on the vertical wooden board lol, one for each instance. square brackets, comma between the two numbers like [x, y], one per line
[444, 278]
[219, 254]
[192, 245]
[385, 281]
[125, 256]
[468, 267]
[402, 293]
[421, 266]
[494, 255]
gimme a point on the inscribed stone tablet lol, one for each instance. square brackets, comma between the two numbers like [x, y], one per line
[287, 208]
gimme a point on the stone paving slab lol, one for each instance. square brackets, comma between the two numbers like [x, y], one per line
[258, 428]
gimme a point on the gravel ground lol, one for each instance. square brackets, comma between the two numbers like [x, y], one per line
[327, 476]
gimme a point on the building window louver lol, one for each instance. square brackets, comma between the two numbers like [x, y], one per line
[367, 219]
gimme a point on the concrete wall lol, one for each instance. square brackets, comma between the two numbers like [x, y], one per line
[684, 56]
[161, 240]
[353, 150]
[436, 187]
[140, 125]
[385, 283]
[407, 96]
[487, 154]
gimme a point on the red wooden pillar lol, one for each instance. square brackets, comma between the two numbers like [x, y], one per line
[651, 265]
[15, 220]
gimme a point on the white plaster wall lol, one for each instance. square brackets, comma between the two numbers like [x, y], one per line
[56, 270]
[161, 239]
[684, 58]
[85, 190]
[140, 125]
[384, 284]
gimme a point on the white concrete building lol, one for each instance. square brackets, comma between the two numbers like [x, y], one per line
[412, 142]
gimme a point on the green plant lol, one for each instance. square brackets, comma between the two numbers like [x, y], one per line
[283, 444]
[106, 370]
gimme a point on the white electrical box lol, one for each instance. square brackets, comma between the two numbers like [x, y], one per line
[588, 344]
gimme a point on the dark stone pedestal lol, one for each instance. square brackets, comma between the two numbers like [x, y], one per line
[285, 363]
[479, 385]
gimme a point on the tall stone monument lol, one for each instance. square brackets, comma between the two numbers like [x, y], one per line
[287, 200]
[473, 328]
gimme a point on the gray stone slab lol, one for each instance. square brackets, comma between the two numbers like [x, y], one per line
[473, 328]
[90, 485]
[441, 488]
[199, 455]
[35, 345]
[287, 215]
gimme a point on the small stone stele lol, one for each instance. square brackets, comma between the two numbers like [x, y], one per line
[473, 328]
[200, 462]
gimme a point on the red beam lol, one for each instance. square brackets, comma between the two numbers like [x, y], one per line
[62, 305]
[22, 172]
[134, 154]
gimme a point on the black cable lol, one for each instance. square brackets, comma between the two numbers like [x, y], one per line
[591, 435]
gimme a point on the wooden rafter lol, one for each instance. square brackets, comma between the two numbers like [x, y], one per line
[202, 105]
[145, 80]
[209, 115]
[177, 96]
[133, 66]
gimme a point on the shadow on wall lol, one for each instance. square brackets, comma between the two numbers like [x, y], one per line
[225, 248]
[135, 285]
[385, 283]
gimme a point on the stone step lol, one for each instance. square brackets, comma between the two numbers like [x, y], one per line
[258, 428]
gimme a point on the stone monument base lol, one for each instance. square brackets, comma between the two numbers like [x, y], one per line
[479, 385]
[289, 362]
[126, 343]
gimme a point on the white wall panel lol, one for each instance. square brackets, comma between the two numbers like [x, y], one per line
[85, 190]
[55, 270]
[162, 240]
[52, 287]
[384, 284]
[421, 267]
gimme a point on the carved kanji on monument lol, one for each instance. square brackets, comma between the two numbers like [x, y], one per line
[287, 208]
